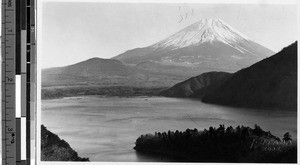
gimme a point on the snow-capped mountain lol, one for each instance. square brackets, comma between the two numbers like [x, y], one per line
[206, 30]
[207, 45]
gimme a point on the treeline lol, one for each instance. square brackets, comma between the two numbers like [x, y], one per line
[213, 145]
[122, 91]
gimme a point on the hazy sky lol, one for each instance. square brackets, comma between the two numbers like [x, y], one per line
[76, 31]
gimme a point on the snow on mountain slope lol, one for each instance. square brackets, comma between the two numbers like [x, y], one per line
[205, 30]
[207, 45]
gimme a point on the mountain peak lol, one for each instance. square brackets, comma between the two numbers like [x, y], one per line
[205, 30]
[206, 45]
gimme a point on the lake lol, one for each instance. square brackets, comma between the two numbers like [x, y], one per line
[105, 128]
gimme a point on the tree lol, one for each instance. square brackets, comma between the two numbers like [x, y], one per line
[211, 131]
[257, 130]
[287, 137]
[221, 129]
[229, 130]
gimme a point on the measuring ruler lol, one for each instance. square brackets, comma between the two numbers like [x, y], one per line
[8, 46]
[18, 81]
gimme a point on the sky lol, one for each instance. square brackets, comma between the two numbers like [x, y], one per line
[76, 31]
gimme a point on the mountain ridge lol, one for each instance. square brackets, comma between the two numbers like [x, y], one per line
[270, 83]
[190, 87]
[209, 42]
[98, 72]
[152, 67]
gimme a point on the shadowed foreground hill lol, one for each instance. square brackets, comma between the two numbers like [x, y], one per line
[55, 149]
[242, 144]
[270, 83]
[191, 86]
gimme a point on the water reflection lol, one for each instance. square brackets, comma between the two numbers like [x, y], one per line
[152, 157]
[105, 129]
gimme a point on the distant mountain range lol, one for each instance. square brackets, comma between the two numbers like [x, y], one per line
[105, 72]
[207, 45]
[270, 83]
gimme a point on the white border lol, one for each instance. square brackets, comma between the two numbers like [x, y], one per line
[187, 1]
[39, 53]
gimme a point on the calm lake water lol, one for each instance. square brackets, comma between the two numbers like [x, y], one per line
[105, 129]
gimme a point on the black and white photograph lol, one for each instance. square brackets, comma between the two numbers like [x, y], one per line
[168, 81]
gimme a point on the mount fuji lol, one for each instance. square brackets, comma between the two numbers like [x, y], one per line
[207, 45]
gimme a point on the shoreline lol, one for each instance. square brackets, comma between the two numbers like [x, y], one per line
[128, 112]
[239, 145]
[107, 96]
[120, 91]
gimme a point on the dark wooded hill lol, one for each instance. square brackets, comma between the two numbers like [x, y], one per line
[270, 83]
[191, 87]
